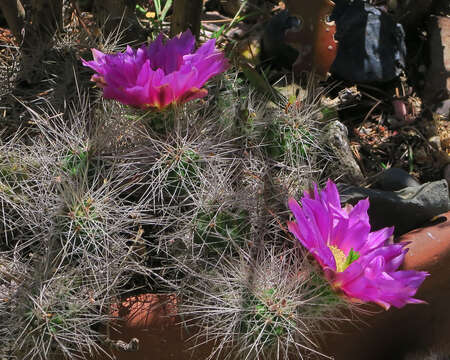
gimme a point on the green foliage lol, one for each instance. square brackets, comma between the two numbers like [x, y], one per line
[184, 171]
[13, 174]
[82, 214]
[287, 141]
[230, 96]
[159, 122]
[161, 12]
[266, 316]
[158, 17]
[163, 183]
[352, 256]
[12, 169]
[81, 227]
[259, 81]
[215, 229]
[225, 28]
[75, 162]
[318, 288]
[329, 113]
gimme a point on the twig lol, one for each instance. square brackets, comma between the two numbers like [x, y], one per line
[369, 113]
[78, 14]
[218, 21]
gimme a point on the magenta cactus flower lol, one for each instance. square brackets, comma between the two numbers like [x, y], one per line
[158, 75]
[361, 264]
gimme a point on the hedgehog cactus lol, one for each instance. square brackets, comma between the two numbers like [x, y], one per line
[272, 306]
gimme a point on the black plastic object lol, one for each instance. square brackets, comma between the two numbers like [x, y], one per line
[371, 45]
[274, 50]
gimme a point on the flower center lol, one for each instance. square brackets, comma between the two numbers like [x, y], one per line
[342, 261]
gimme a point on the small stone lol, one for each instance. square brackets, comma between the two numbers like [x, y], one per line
[421, 156]
[393, 122]
[435, 141]
[349, 96]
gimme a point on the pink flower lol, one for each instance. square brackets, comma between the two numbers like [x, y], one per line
[356, 261]
[158, 75]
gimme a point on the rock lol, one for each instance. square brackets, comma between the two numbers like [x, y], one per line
[371, 45]
[435, 141]
[405, 209]
[421, 155]
[447, 174]
[336, 138]
[394, 179]
[437, 87]
[443, 109]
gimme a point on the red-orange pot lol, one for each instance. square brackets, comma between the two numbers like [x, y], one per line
[388, 335]
[153, 319]
[146, 311]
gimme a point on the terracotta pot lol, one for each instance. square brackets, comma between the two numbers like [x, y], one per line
[147, 310]
[390, 334]
[152, 318]
[430, 251]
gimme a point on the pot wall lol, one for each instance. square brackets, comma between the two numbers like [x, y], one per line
[389, 335]
[152, 318]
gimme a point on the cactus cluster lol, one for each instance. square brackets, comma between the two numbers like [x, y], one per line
[103, 201]
[263, 304]
[67, 239]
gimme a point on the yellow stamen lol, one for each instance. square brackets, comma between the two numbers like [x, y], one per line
[339, 257]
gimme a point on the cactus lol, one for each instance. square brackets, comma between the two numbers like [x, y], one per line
[221, 230]
[99, 201]
[270, 306]
[75, 162]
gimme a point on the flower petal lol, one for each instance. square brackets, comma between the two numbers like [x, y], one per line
[169, 56]
[373, 275]
[308, 236]
[157, 75]
[377, 238]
